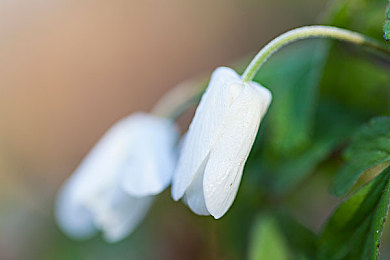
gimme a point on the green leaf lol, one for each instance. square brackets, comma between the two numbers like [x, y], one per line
[388, 12]
[369, 148]
[386, 27]
[267, 241]
[354, 230]
[386, 30]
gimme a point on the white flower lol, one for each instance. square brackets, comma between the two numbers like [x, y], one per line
[113, 188]
[218, 143]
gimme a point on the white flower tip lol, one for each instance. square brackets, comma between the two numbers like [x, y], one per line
[218, 211]
[175, 194]
[76, 231]
[225, 71]
[217, 216]
[112, 238]
[72, 218]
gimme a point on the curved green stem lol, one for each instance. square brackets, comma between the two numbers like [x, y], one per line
[315, 31]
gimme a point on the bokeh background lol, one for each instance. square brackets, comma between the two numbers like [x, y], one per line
[70, 69]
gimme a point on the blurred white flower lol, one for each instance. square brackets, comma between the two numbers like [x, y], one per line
[113, 188]
[218, 143]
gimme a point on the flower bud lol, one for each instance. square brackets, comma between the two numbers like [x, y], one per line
[113, 188]
[218, 143]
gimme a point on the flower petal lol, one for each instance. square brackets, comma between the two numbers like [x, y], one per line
[72, 217]
[87, 196]
[205, 126]
[105, 159]
[117, 213]
[194, 195]
[152, 159]
[94, 170]
[224, 169]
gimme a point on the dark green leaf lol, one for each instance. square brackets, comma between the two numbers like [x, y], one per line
[369, 148]
[355, 228]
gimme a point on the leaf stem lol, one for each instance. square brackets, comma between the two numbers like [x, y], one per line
[314, 31]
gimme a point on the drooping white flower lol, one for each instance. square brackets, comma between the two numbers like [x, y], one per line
[218, 143]
[113, 188]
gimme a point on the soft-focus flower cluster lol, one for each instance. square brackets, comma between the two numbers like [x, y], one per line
[113, 188]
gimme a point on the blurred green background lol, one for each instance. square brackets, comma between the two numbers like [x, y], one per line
[70, 69]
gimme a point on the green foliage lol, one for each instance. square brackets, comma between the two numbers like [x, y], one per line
[386, 30]
[278, 236]
[323, 91]
[294, 143]
[344, 13]
[354, 230]
[267, 240]
[388, 12]
[357, 81]
[386, 26]
[369, 148]
[352, 76]
[302, 241]
[290, 152]
[332, 124]
[293, 77]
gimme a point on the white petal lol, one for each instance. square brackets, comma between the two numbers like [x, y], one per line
[72, 217]
[194, 195]
[224, 169]
[102, 172]
[105, 159]
[204, 128]
[151, 162]
[95, 171]
[117, 213]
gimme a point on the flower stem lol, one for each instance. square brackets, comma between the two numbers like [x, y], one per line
[179, 99]
[315, 31]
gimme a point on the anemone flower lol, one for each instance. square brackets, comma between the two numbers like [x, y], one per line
[114, 186]
[218, 143]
